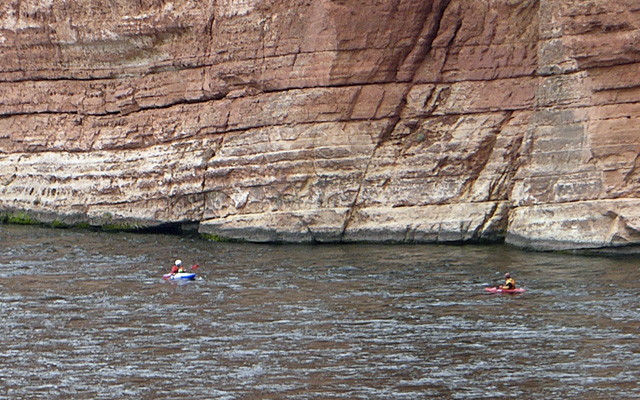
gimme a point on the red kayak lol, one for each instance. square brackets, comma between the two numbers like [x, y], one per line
[499, 290]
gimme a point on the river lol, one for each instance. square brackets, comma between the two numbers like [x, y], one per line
[87, 315]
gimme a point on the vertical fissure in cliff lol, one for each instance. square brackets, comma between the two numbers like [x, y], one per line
[421, 48]
[423, 43]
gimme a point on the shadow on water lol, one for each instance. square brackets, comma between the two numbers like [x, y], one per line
[89, 316]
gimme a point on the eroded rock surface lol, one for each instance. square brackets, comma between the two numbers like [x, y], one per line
[327, 121]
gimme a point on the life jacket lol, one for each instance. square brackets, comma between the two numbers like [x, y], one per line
[510, 283]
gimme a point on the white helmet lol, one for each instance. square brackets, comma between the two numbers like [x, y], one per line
[178, 262]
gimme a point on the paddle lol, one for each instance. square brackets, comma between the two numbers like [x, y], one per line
[194, 266]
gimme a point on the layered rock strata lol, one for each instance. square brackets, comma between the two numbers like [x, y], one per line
[327, 121]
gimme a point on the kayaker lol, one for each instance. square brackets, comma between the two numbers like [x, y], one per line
[177, 267]
[509, 282]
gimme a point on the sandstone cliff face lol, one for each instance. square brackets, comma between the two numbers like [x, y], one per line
[327, 121]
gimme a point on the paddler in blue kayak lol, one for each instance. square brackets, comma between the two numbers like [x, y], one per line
[177, 267]
[509, 282]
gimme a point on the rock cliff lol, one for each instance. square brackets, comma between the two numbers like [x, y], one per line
[327, 120]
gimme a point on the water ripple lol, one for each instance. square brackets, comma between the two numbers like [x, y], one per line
[87, 315]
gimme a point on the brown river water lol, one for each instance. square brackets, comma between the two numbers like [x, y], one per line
[87, 315]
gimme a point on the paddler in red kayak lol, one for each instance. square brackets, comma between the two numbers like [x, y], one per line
[509, 282]
[177, 267]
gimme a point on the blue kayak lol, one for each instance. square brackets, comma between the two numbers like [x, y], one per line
[180, 276]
